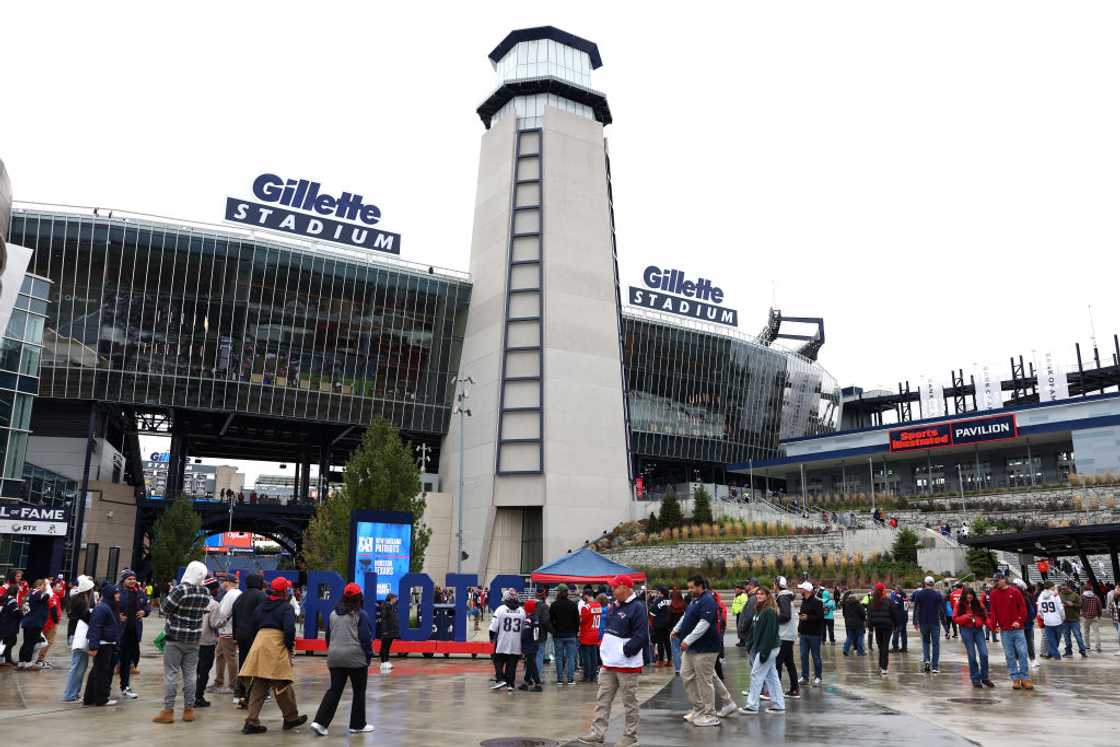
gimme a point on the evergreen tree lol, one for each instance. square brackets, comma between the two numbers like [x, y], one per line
[981, 561]
[905, 549]
[380, 475]
[701, 507]
[653, 526]
[177, 539]
[671, 516]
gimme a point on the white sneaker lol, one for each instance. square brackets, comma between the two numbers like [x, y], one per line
[728, 710]
[764, 696]
[746, 693]
[386, 667]
[1035, 664]
[705, 721]
[318, 728]
[111, 702]
[364, 730]
[816, 682]
[689, 716]
[748, 711]
[498, 686]
[775, 710]
[128, 693]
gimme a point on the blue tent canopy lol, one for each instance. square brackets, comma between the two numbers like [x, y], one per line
[583, 566]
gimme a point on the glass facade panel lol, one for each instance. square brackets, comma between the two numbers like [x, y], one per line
[167, 315]
[707, 396]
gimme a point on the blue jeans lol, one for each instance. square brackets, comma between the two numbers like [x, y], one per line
[675, 650]
[566, 659]
[1073, 626]
[810, 644]
[976, 647]
[1015, 651]
[589, 661]
[78, 663]
[540, 654]
[766, 673]
[931, 639]
[854, 639]
[1053, 635]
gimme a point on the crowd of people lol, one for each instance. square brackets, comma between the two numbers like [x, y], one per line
[209, 625]
[605, 635]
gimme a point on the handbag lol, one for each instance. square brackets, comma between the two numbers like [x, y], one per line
[81, 631]
[159, 639]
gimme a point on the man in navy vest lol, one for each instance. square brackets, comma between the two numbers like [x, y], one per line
[625, 637]
[698, 630]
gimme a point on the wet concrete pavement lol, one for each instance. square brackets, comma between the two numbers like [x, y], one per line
[448, 702]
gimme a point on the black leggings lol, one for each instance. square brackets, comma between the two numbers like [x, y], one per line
[883, 638]
[358, 677]
[30, 638]
[785, 657]
[386, 644]
[202, 677]
[10, 647]
[507, 668]
[829, 631]
[100, 680]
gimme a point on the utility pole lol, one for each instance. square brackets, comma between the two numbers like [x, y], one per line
[462, 393]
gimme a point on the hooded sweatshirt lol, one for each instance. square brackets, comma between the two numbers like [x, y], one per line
[1050, 608]
[103, 624]
[186, 605]
[245, 606]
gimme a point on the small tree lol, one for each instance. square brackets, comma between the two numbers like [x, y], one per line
[701, 506]
[177, 539]
[671, 515]
[653, 526]
[981, 561]
[905, 549]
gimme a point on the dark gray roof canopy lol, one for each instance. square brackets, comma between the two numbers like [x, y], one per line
[547, 32]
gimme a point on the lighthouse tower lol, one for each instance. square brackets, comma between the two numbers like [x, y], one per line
[546, 463]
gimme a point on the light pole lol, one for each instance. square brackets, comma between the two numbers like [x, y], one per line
[960, 483]
[871, 469]
[462, 393]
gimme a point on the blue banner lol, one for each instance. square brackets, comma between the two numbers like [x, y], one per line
[382, 548]
[690, 307]
[310, 226]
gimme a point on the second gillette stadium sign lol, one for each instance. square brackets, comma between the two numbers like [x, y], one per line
[670, 290]
[301, 207]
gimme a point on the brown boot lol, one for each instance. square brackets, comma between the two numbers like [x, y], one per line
[165, 716]
[1017, 685]
[1028, 685]
[188, 714]
[136, 670]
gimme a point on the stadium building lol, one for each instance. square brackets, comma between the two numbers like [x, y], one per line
[242, 343]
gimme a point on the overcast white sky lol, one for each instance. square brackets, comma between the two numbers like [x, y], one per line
[937, 180]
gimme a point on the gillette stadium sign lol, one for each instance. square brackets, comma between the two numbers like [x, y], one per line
[301, 208]
[670, 290]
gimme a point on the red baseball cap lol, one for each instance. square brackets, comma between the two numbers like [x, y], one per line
[280, 584]
[622, 580]
[880, 586]
[351, 590]
[530, 606]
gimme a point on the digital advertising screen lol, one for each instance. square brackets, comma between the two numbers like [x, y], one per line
[381, 543]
